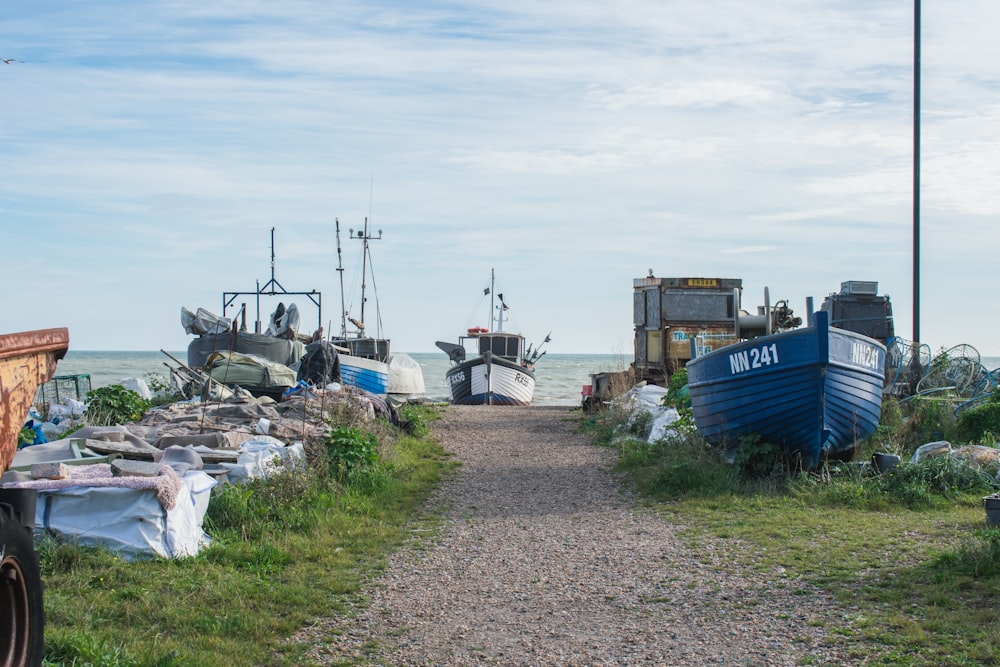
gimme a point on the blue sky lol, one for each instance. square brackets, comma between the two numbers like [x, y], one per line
[148, 148]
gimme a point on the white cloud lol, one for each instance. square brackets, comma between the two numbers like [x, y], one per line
[571, 145]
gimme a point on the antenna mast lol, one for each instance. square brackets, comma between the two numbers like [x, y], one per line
[365, 237]
[492, 291]
[340, 270]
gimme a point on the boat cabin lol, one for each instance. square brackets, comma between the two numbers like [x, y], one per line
[859, 308]
[509, 346]
[366, 348]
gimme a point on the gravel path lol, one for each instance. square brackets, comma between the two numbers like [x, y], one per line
[544, 560]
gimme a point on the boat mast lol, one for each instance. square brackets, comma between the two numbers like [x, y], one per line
[493, 291]
[365, 237]
[340, 270]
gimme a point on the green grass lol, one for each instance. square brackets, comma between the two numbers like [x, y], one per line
[908, 554]
[286, 550]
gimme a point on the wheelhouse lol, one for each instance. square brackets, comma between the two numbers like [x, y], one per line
[507, 346]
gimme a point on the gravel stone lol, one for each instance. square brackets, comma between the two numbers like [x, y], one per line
[546, 559]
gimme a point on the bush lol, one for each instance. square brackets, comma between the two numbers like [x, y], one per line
[757, 459]
[413, 420]
[941, 477]
[114, 404]
[287, 501]
[349, 450]
[979, 423]
[164, 392]
[925, 420]
[678, 395]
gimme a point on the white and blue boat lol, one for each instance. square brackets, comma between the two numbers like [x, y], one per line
[366, 362]
[816, 391]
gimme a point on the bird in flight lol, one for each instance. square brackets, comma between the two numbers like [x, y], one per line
[8, 61]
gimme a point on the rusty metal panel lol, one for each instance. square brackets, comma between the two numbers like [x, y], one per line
[27, 360]
[709, 337]
[640, 346]
[698, 306]
[639, 308]
[653, 312]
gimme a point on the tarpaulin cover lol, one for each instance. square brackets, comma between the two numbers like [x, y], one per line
[249, 370]
[278, 350]
[320, 365]
[130, 522]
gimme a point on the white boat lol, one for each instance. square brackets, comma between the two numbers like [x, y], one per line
[491, 367]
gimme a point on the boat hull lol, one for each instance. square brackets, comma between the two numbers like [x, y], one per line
[816, 391]
[368, 374]
[489, 380]
[27, 361]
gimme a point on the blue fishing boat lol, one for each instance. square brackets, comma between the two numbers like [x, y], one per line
[815, 390]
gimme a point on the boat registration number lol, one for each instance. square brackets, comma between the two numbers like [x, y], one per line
[865, 356]
[755, 357]
[457, 378]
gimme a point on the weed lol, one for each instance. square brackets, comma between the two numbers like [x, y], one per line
[929, 482]
[979, 423]
[291, 500]
[26, 436]
[79, 647]
[349, 450]
[905, 545]
[114, 404]
[925, 419]
[413, 419]
[286, 549]
[163, 391]
[977, 556]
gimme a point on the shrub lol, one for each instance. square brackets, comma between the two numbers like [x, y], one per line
[164, 392]
[413, 420]
[287, 501]
[926, 482]
[975, 424]
[925, 420]
[114, 404]
[678, 395]
[349, 450]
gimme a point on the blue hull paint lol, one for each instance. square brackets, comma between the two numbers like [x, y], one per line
[371, 381]
[816, 390]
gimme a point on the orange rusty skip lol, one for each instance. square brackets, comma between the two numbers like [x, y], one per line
[27, 361]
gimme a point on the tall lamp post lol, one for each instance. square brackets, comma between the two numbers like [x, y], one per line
[916, 173]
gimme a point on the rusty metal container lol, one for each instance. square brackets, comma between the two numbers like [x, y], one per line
[668, 313]
[27, 361]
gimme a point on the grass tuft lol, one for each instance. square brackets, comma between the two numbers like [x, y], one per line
[906, 553]
[286, 549]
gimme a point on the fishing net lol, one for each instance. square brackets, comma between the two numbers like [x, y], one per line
[958, 368]
[906, 363]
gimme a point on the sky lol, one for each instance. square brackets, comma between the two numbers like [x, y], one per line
[150, 148]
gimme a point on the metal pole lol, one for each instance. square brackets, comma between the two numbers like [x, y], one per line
[916, 172]
[365, 237]
[340, 270]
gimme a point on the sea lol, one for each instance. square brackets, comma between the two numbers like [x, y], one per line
[559, 378]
